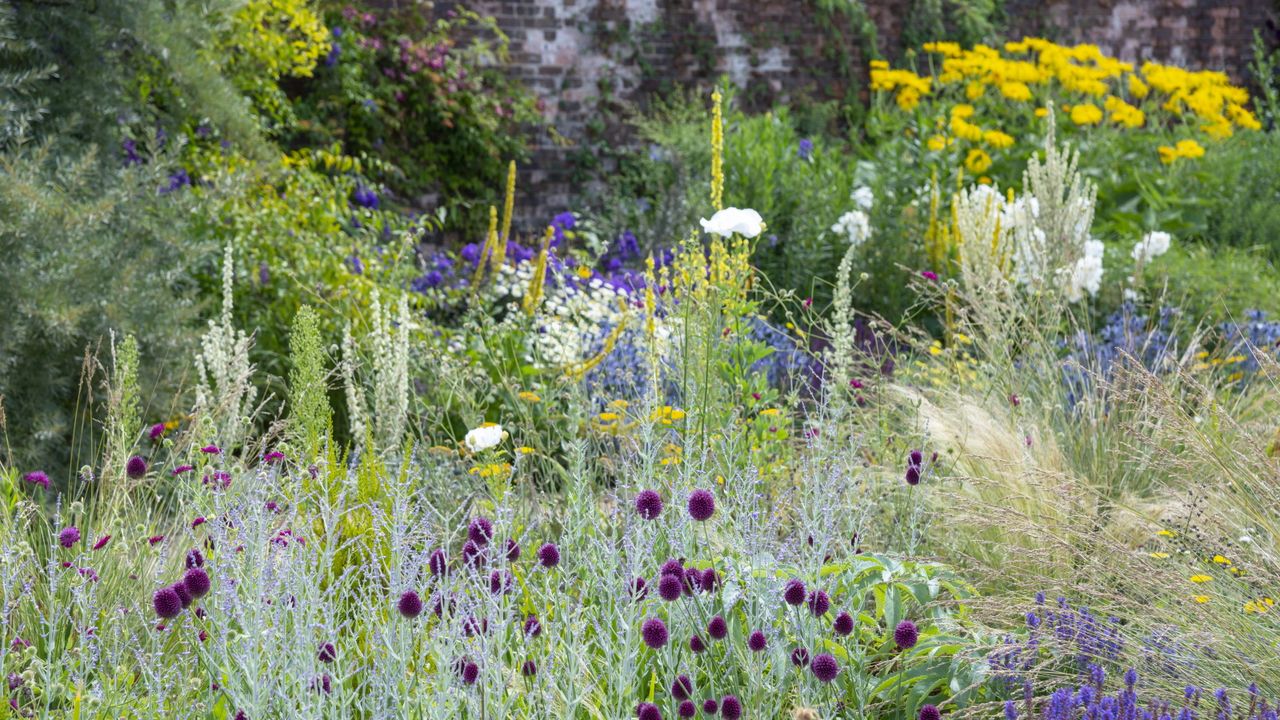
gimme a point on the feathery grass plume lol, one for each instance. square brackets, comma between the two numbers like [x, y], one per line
[124, 411]
[225, 392]
[310, 416]
[533, 294]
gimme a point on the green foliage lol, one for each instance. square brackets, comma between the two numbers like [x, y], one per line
[124, 406]
[310, 416]
[965, 21]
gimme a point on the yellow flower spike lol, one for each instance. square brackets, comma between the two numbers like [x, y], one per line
[717, 151]
[490, 242]
[533, 295]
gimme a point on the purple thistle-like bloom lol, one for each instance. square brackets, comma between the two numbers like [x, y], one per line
[681, 687]
[649, 504]
[470, 673]
[843, 624]
[37, 477]
[710, 706]
[757, 641]
[915, 457]
[669, 588]
[500, 583]
[166, 603]
[210, 449]
[529, 668]
[794, 592]
[327, 653]
[102, 542]
[69, 536]
[929, 275]
[136, 467]
[702, 505]
[819, 603]
[532, 628]
[472, 554]
[273, 457]
[672, 567]
[480, 531]
[692, 581]
[913, 475]
[182, 469]
[194, 559]
[549, 555]
[409, 604]
[906, 635]
[710, 580]
[930, 712]
[157, 431]
[183, 593]
[799, 657]
[648, 711]
[825, 667]
[696, 644]
[197, 582]
[323, 684]
[654, 632]
[513, 550]
[639, 588]
[730, 708]
[718, 629]
[438, 562]
[687, 709]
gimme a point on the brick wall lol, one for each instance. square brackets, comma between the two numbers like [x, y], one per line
[594, 61]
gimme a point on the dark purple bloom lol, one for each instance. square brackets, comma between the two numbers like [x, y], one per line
[439, 562]
[532, 628]
[470, 673]
[472, 555]
[69, 536]
[672, 567]
[702, 505]
[102, 542]
[793, 593]
[710, 706]
[157, 431]
[687, 709]
[825, 667]
[167, 604]
[194, 559]
[183, 593]
[529, 668]
[843, 624]
[327, 653]
[906, 635]
[210, 450]
[648, 711]
[913, 474]
[710, 580]
[182, 469]
[915, 457]
[500, 583]
[273, 457]
[649, 504]
[480, 531]
[799, 657]
[718, 629]
[730, 708]
[654, 632]
[819, 603]
[681, 687]
[37, 477]
[409, 605]
[696, 644]
[549, 555]
[669, 588]
[756, 641]
[639, 588]
[930, 712]
[197, 582]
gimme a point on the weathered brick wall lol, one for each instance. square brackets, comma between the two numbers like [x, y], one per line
[595, 61]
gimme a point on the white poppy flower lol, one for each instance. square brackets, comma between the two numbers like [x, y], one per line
[483, 437]
[726, 222]
[1151, 246]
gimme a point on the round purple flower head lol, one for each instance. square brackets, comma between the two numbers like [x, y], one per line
[906, 635]
[672, 567]
[500, 583]
[930, 712]
[194, 558]
[654, 632]
[669, 588]
[718, 629]
[529, 668]
[197, 582]
[480, 531]
[37, 477]
[843, 624]
[825, 667]
[696, 644]
[167, 604]
[327, 653]
[730, 708]
[649, 504]
[549, 555]
[439, 562]
[513, 550]
[532, 628]
[409, 604]
[799, 657]
[757, 641]
[710, 706]
[639, 588]
[157, 431]
[136, 467]
[819, 603]
[323, 684]
[69, 536]
[681, 687]
[702, 505]
[687, 709]
[470, 673]
[793, 593]
[710, 580]
[913, 475]
[915, 457]
[648, 711]
[183, 595]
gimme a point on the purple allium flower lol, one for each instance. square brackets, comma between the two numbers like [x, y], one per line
[102, 542]
[819, 603]
[687, 709]
[915, 457]
[198, 522]
[500, 583]
[930, 712]
[532, 628]
[929, 275]
[718, 629]
[639, 588]
[672, 567]
[480, 531]
[439, 562]
[710, 706]
[710, 580]
[472, 555]
[136, 467]
[669, 588]
[681, 687]
[183, 593]
[825, 667]
[69, 536]
[210, 449]
[529, 668]
[649, 504]
[692, 581]
[155, 539]
[197, 582]
[843, 624]
[654, 632]
[323, 684]
[273, 457]
[793, 593]
[799, 657]
[37, 477]
[513, 550]
[906, 635]
[549, 555]
[757, 641]
[696, 644]
[913, 474]
[470, 673]
[327, 653]
[648, 711]
[157, 431]
[167, 604]
[702, 505]
[194, 559]
[409, 604]
[240, 715]
[182, 469]
[730, 708]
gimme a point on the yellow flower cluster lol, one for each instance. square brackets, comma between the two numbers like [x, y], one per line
[1184, 149]
[284, 37]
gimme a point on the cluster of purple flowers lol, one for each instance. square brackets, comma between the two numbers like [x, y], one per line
[1086, 639]
[1089, 700]
[1256, 334]
[170, 601]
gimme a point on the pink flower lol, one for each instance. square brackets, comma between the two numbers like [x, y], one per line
[182, 469]
[102, 542]
[157, 431]
[37, 477]
[273, 457]
[155, 539]
[197, 522]
[211, 449]
[929, 275]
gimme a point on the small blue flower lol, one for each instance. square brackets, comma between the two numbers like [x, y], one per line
[805, 151]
